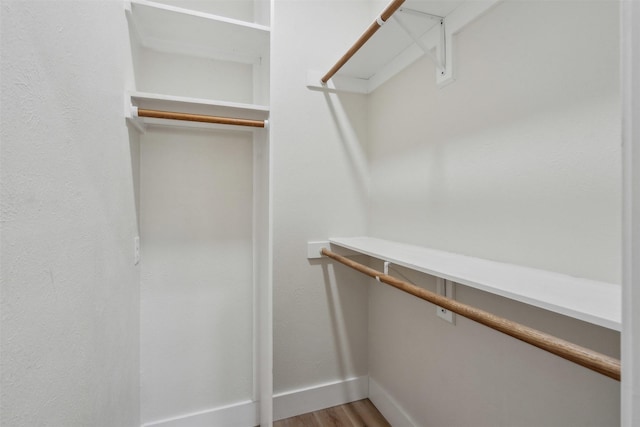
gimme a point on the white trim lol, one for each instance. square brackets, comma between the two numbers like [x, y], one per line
[263, 261]
[630, 67]
[285, 405]
[242, 414]
[302, 401]
[389, 407]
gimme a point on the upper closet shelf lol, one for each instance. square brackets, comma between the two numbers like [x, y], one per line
[592, 301]
[176, 30]
[250, 114]
[403, 32]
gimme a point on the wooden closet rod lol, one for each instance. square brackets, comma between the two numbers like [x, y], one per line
[384, 16]
[142, 112]
[600, 363]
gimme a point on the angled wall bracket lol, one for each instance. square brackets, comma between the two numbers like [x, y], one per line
[439, 58]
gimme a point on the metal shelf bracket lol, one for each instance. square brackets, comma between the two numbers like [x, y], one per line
[439, 58]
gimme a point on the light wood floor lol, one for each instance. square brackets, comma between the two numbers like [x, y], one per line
[355, 414]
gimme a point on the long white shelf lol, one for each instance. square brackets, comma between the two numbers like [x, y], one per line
[391, 50]
[592, 301]
[198, 105]
[391, 39]
[182, 104]
[182, 31]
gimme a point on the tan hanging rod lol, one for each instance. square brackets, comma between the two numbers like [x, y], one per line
[384, 16]
[590, 359]
[171, 115]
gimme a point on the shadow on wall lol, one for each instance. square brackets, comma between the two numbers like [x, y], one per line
[134, 149]
[342, 114]
[346, 288]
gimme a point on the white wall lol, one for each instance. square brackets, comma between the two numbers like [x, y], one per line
[523, 147]
[517, 161]
[196, 211]
[183, 75]
[69, 286]
[320, 186]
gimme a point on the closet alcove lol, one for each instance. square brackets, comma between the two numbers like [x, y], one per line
[203, 210]
[204, 214]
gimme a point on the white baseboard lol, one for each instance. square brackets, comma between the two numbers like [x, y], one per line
[389, 407]
[297, 402]
[285, 405]
[242, 414]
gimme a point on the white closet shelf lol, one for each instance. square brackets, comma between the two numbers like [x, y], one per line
[188, 105]
[391, 40]
[156, 101]
[393, 48]
[182, 31]
[591, 301]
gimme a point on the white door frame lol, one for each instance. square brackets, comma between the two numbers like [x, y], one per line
[630, 61]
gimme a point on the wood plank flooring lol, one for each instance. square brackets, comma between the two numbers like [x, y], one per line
[361, 413]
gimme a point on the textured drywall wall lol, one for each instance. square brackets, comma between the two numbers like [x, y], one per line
[196, 212]
[69, 345]
[319, 186]
[517, 161]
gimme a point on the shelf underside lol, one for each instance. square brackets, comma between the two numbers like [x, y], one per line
[199, 106]
[174, 30]
[392, 48]
[391, 40]
[195, 106]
